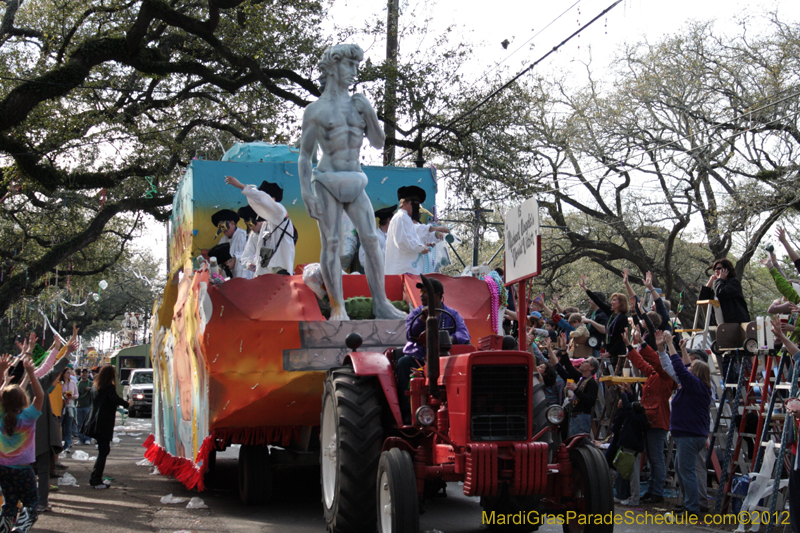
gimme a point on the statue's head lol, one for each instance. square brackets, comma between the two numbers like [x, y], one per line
[333, 55]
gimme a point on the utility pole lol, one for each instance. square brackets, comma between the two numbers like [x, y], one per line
[477, 212]
[390, 100]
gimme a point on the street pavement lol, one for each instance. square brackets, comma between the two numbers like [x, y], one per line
[133, 503]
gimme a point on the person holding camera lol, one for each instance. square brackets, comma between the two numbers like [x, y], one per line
[276, 240]
[233, 241]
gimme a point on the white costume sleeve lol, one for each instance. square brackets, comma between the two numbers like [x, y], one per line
[238, 243]
[264, 205]
[249, 254]
[666, 364]
[405, 235]
[425, 234]
[403, 247]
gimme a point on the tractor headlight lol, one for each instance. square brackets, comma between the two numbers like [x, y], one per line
[425, 415]
[554, 414]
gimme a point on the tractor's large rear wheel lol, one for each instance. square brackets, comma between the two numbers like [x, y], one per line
[351, 437]
[398, 501]
[593, 491]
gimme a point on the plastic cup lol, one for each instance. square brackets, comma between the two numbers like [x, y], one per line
[626, 372]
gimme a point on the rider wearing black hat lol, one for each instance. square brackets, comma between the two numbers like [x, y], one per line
[226, 221]
[274, 251]
[403, 245]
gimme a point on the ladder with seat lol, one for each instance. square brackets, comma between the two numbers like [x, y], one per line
[783, 446]
[731, 456]
[770, 425]
[707, 331]
[703, 337]
[788, 424]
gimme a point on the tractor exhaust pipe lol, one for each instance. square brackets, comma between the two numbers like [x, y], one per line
[432, 341]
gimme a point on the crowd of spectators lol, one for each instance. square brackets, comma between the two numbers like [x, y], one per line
[49, 410]
[675, 390]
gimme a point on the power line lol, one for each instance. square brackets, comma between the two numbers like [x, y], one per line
[485, 74]
[518, 76]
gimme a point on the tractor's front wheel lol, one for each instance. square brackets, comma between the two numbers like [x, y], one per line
[593, 492]
[398, 501]
[351, 437]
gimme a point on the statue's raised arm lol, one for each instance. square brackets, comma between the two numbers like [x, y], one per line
[374, 132]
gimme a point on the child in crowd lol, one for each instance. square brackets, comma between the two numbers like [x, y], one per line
[577, 348]
[17, 451]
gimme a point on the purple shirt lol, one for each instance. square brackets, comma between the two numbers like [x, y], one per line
[461, 335]
[691, 404]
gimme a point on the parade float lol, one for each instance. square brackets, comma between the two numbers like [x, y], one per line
[244, 362]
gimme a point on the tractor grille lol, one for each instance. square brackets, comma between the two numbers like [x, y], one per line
[499, 402]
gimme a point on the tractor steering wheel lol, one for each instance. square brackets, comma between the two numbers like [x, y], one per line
[449, 329]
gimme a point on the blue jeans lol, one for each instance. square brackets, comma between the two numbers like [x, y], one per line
[686, 457]
[580, 423]
[81, 413]
[66, 427]
[654, 441]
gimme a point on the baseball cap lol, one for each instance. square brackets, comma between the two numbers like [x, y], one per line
[535, 314]
[438, 288]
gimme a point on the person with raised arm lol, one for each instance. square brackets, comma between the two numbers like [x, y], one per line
[614, 329]
[17, 449]
[656, 393]
[689, 422]
[274, 250]
[48, 432]
[582, 385]
[795, 258]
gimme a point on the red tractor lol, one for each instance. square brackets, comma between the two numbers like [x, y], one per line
[479, 417]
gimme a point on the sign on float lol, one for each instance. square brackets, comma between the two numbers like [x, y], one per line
[523, 242]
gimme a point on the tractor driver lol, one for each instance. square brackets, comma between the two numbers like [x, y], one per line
[414, 352]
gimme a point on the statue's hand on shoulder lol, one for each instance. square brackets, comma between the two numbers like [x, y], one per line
[361, 104]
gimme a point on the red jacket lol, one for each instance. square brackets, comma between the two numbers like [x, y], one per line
[658, 388]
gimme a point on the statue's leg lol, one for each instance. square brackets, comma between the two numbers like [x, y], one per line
[363, 217]
[330, 231]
